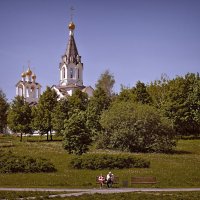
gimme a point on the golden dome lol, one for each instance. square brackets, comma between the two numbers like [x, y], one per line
[71, 26]
[33, 76]
[23, 75]
[29, 72]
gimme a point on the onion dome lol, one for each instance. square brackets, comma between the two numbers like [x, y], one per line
[33, 76]
[71, 26]
[29, 72]
[23, 75]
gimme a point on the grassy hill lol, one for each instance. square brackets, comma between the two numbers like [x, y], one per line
[180, 169]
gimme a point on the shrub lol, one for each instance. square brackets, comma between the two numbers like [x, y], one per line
[10, 163]
[136, 128]
[105, 161]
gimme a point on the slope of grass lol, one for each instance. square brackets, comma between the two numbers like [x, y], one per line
[180, 169]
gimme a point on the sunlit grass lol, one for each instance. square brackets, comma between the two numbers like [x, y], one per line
[180, 169]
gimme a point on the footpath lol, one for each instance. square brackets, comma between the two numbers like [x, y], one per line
[79, 192]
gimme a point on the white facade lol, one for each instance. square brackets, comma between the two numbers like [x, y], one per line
[71, 74]
[71, 70]
[28, 87]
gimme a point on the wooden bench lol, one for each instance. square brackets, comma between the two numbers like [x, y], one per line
[143, 180]
[115, 180]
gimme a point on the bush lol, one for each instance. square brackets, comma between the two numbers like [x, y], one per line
[136, 128]
[10, 163]
[105, 161]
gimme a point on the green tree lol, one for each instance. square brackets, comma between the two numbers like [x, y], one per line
[126, 94]
[19, 116]
[77, 137]
[78, 101]
[60, 113]
[158, 91]
[42, 113]
[136, 128]
[184, 104]
[141, 93]
[106, 82]
[3, 111]
[99, 102]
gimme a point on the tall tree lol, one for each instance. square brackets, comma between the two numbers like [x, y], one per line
[3, 111]
[99, 102]
[78, 100]
[19, 116]
[42, 113]
[184, 104]
[59, 115]
[141, 93]
[77, 137]
[106, 82]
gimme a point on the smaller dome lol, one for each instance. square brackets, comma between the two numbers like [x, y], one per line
[33, 76]
[29, 72]
[23, 75]
[71, 26]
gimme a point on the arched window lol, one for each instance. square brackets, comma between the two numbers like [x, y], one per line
[71, 73]
[78, 74]
[20, 90]
[27, 92]
[63, 72]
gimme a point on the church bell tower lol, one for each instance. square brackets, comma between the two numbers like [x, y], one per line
[71, 68]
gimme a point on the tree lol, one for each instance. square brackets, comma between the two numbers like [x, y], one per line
[59, 115]
[3, 111]
[178, 99]
[158, 91]
[19, 116]
[99, 102]
[141, 93]
[42, 113]
[184, 104]
[106, 82]
[136, 128]
[77, 137]
[78, 101]
[138, 94]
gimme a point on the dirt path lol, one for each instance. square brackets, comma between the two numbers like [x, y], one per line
[79, 192]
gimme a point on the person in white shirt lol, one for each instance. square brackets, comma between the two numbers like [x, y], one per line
[109, 179]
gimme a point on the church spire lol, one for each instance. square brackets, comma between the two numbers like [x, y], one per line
[71, 51]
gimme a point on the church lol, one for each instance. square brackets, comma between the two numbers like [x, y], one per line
[28, 87]
[71, 70]
[71, 75]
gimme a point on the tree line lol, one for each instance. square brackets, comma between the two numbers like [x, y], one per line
[144, 118]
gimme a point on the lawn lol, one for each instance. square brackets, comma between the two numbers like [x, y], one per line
[180, 169]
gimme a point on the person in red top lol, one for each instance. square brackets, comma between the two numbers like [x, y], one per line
[101, 180]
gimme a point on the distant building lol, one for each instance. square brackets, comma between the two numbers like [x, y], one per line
[28, 87]
[71, 70]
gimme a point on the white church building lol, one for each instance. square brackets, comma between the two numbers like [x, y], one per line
[71, 70]
[71, 76]
[28, 87]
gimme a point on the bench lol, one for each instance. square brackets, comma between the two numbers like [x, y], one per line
[143, 180]
[115, 180]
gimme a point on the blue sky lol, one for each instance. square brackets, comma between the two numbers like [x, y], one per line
[134, 39]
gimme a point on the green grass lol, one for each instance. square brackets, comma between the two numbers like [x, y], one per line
[180, 169]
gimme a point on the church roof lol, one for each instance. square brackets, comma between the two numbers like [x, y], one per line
[71, 47]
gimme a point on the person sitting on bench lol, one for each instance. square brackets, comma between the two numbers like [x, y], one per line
[109, 179]
[101, 180]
